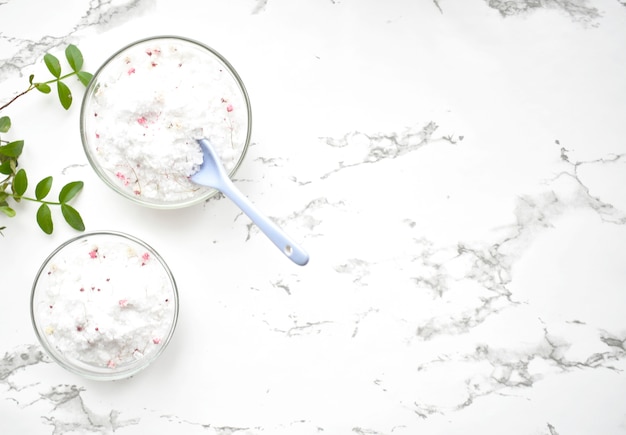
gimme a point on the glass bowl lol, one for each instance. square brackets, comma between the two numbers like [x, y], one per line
[104, 305]
[144, 110]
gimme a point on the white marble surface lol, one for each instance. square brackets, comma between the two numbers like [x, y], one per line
[457, 171]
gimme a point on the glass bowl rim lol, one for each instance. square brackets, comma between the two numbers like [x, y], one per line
[93, 161]
[139, 365]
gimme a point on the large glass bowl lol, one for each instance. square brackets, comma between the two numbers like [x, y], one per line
[144, 110]
[104, 305]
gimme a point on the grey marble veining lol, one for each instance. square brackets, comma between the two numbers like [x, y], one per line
[578, 10]
[31, 44]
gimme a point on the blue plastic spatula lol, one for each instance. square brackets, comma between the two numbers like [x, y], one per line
[213, 174]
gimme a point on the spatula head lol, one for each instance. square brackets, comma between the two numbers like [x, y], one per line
[211, 172]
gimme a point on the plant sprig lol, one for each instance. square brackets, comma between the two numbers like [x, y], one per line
[15, 183]
[74, 58]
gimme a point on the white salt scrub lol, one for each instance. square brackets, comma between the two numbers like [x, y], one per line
[104, 303]
[145, 110]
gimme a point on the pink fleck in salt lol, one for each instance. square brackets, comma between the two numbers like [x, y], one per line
[145, 257]
[111, 364]
[142, 120]
[97, 136]
[123, 302]
[131, 71]
[156, 340]
[229, 108]
[93, 253]
[122, 178]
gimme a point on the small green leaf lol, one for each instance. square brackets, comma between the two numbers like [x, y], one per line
[69, 191]
[31, 78]
[3, 197]
[7, 210]
[84, 77]
[53, 64]
[20, 182]
[72, 217]
[5, 124]
[43, 88]
[43, 188]
[74, 57]
[12, 149]
[65, 95]
[44, 219]
[5, 168]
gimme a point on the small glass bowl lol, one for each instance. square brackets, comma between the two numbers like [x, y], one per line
[104, 305]
[144, 110]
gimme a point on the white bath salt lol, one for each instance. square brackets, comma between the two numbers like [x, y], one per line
[105, 303]
[151, 104]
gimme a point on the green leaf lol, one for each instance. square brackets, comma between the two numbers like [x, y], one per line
[12, 149]
[5, 168]
[43, 88]
[20, 182]
[44, 219]
[84, 77]
[72, 217]
[43, 188]
[3, 197]
[7, 210]
[53, 64]
[65, 95]
[74, 57]
[69, 191]
[31, 78]
[5, 124]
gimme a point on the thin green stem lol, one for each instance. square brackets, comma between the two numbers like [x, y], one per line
[33, 86]
[60, 78]
[41, 201]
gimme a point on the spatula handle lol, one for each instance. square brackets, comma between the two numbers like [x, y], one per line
[286, 244]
